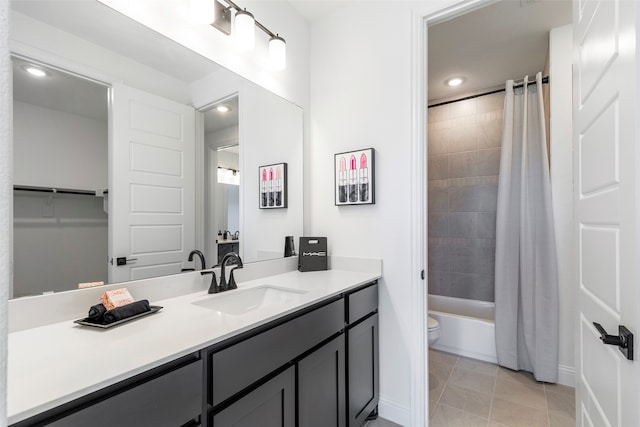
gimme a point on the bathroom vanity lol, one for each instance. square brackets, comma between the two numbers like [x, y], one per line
[302, 352]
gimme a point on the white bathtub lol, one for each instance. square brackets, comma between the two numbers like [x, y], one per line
[467, 327]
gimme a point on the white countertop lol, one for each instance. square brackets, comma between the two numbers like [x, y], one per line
[54, 364]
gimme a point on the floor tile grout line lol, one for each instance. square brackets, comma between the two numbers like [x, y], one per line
[462, 410]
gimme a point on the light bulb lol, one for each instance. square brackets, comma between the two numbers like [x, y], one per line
[456, 81]
[277, 53]
[35, 72]
[203, 11]
[245, 30]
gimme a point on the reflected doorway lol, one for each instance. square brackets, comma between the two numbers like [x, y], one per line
[222, 174]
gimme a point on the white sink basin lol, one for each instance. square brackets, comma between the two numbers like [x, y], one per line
[244, 300]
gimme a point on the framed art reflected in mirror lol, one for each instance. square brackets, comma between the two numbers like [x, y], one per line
[273, 186]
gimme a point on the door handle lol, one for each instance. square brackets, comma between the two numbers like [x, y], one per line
[624, 339]
[123, 260]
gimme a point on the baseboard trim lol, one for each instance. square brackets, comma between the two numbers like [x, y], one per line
[393, 411]
[567, 375]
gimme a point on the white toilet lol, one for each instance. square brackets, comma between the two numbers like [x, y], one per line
[433, 330]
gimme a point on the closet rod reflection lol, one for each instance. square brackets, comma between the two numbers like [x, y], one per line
[56, 190]
[545, 80]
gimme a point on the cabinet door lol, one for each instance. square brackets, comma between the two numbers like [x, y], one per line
[321, 386]
[362, 370]
[270, 405]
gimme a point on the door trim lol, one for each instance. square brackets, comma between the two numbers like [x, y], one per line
[422, 17]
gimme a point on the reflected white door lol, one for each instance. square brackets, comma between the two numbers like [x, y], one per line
[606, 193]
[151, 184]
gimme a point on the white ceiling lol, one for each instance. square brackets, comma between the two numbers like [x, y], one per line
[59, 91]
[215, 120]
[502, 41]
[98, 24]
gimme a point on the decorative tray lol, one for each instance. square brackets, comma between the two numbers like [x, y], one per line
[87, 322]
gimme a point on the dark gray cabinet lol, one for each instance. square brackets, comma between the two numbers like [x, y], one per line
[363, 370]
[237, 366]
[315, 367]
[172, 399]
[270, 405]
[321, 386]
[362, 354]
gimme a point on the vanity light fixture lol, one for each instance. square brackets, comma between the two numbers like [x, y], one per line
[277, 53]
[454, 81]
[245, 30]
[203, 11]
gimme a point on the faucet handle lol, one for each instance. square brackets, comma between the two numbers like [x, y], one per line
[232, 279]
[214, 288]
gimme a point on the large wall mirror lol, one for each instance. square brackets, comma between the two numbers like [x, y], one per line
[123, 162]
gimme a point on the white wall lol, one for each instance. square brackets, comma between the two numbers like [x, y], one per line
[561, 153]
[57, 149]
[6, 197]
[362, 64]
[360, 98]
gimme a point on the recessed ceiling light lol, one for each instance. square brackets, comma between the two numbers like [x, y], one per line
[35, 71]
[455, 81]
[222, 108]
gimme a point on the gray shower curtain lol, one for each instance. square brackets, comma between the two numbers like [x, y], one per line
[526, 280]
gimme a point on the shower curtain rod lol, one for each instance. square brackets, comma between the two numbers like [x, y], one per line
[545, 80]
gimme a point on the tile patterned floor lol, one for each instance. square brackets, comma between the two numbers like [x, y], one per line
[467, 393]
[381, 422]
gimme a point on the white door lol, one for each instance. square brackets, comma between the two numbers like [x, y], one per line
[606, 193]
[151, 184]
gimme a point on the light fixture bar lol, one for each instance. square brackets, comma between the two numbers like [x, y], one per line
[258, 24]
[222, 20]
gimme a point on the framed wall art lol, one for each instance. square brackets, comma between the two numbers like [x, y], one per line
[273, 186]
[354, 177]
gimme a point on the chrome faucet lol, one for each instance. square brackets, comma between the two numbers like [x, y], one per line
[200, 255]
[224, 286]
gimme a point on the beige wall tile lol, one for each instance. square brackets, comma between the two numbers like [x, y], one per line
[463, 138]
[468, 107]
[438, 141]
[438, 114]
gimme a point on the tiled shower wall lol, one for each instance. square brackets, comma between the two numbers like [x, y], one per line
[464, 160]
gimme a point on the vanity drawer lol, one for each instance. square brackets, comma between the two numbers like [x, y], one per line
[362, 302]
[170, 400]
[237, 367]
